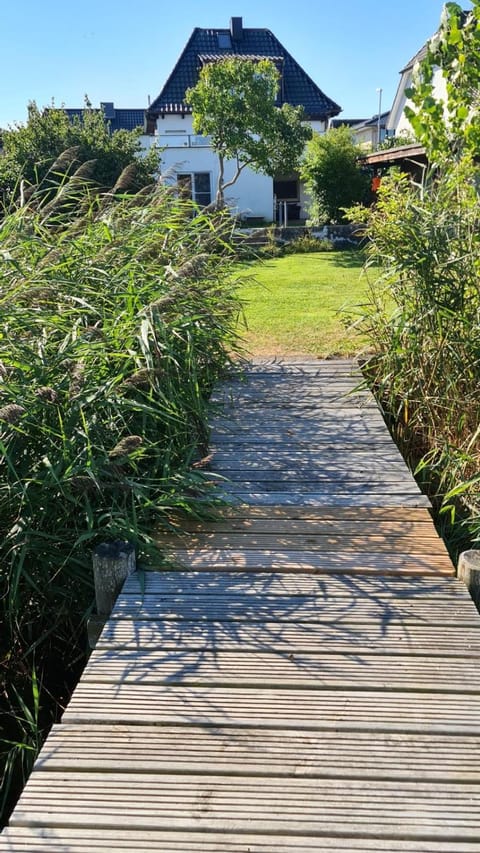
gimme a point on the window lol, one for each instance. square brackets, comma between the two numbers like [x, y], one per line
[201, 188]
[196, 186]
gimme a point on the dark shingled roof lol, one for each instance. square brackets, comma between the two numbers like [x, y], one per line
[371, 122]
[121, 119]
[298, 88]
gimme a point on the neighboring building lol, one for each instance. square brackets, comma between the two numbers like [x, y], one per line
[371, 132]
[397, 121]
[189, 159]
[116, 119]
[398, 124]
[365, 131]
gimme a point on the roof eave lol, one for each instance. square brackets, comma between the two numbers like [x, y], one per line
[393, 155]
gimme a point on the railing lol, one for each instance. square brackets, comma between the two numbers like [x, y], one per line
[183, 140]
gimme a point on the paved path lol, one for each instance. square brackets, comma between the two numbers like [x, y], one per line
[304, 677]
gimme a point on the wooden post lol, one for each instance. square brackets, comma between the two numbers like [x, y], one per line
[469, 572]
[112, 563]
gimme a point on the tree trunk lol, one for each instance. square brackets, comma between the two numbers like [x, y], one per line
[220, 197]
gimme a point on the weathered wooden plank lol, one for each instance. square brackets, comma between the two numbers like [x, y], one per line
[304, 368]
[265, 380]
[311, 430]
[328, 587]
[310, 455]
[324, 418]
[374, 514]
[352, 637]
[312, 542]
[301, 418]
[323, 498]
[297, 436]
[284, 439]
[283, 443]
[270, 366]
[297, 485]
[285, 608]
[282, 670]
[243, 752]
[275, 806]
[314, 461]
[340, 710]
[267, 383]
[386, 591]
[224, 608]
[260, 475]
[48, 839]
[391, 531]
[294, 396]
[327, 561]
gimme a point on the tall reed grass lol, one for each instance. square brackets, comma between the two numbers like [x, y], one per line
[117, 315]
[426, 362]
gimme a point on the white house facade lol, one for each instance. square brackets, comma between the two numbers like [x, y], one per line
[187, 159]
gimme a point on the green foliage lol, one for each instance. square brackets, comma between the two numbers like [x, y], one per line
[449, 126]
[30, 151]
[427, 351]
[234, 102]
[305, 244]
[403, 138]
[332, 175]
[114, 324]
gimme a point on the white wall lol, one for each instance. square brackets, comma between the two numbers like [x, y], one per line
[398, 123]
[252, 193]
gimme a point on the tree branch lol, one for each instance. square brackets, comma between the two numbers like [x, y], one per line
[240, 168]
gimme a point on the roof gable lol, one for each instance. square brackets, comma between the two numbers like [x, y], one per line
[298, 88]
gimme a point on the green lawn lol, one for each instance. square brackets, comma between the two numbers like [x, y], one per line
[299, 304]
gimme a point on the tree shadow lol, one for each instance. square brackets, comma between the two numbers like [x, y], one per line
[353, 259]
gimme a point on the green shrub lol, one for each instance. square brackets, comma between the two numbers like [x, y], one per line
[426, 364]
[307, 243]
[332, 175]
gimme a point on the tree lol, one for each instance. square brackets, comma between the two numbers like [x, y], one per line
[234, 102]
[30, 150]
[448, 126]
[332, 175]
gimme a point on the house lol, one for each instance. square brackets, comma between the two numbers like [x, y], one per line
[189, 159]
[367, 132]
[398, 124]
[370, 132]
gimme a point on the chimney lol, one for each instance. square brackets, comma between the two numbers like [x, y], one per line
[236, 29]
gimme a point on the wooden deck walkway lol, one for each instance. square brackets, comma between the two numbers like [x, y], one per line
[308, 677]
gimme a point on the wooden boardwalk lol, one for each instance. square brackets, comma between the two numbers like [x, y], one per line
[305, 677]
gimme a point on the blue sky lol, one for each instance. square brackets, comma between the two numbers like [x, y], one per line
[123, 52]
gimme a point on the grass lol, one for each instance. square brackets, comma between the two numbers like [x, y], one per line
[301, 304]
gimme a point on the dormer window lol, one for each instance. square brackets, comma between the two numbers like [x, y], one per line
[224, 41]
